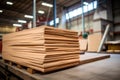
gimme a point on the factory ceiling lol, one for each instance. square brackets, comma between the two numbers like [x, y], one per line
[13, 10]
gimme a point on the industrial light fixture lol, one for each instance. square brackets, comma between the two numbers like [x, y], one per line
[47, 4]
[17, 25]
[1, 11]
[22, 21]
[41, 12]
[85, 3]
[28, 16]
[9, 3]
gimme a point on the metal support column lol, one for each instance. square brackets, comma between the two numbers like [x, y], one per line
[83, 21]
[34, 13]
[54, 12]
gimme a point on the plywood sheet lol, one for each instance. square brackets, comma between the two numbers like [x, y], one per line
[94, 41]
[83, 44]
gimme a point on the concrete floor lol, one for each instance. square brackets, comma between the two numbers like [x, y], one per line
[107, 69]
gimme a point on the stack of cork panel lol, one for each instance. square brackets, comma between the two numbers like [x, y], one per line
[43, 48]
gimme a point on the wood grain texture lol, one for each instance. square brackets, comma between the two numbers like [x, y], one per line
[83, 44]
[94, 41]
[43, 48]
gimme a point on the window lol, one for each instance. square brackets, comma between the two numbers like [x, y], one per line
[78, 11]
[85, 8]
[90, 6]
[52, 22]
[95, 4]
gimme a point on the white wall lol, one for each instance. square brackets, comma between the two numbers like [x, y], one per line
[77, 24]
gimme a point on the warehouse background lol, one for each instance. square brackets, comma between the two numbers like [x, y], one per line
[52, 37]
[97, 14]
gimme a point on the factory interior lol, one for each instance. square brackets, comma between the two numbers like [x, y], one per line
[59, 40]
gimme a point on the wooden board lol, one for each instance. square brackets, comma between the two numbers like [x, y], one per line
[91, 57]
[0, 47]
[94, 41]
[83, 44]
[113, 42]
[43, 48]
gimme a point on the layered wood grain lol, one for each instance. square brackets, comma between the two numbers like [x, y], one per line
[43, 48]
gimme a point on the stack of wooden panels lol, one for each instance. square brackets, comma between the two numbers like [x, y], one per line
[113, 46]
[42, 48]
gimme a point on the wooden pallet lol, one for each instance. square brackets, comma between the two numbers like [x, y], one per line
[29, 70]
[33, 71]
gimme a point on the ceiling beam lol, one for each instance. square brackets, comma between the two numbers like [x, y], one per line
[7, 20]
[10, 8]
[5, 10]
[15, 18]
[5, 24]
